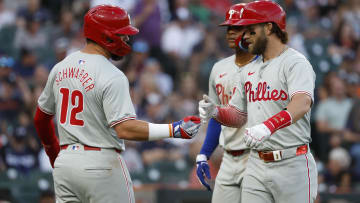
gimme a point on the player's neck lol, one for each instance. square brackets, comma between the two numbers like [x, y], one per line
[273, 49]
[92, 48]
[243, 58]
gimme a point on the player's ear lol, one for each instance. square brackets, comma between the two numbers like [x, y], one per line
[268, 28]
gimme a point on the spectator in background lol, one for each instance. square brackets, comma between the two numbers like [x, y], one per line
[186, 33]
[7, 16]
[204, 56]
[6, 68]
[148, 19]
[25, 67]
[10, 100]
[128, 5]
[345, 40]
[33, 8]
[352, 136]
[337, 167]
[32, 37]
[140, 54]
[67, 29]
[18, 154]
[163, 81]
[331, 115]
[132, 157]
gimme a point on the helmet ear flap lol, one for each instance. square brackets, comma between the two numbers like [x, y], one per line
[107, 37]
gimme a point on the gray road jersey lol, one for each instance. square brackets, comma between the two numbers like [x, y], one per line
[267, 88]
[88, 95]
[222, 85]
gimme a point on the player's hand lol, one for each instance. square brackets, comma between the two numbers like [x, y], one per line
[203, 170]
[186, 128]
[52, 152]
[256, 135]
[207, 109]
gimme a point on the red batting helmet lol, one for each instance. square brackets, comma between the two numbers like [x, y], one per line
[261, 12]
[233, 14]
[104, 23]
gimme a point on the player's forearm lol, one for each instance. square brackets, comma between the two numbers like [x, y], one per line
[230, 116]
[45, 128]
[299, 105]
[212, 138]
[143, 131]
[133, 130]
[46, 131]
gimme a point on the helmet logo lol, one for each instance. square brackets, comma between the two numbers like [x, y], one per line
[231, 12]
[241, 12]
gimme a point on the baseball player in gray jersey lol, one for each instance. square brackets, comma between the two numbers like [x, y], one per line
[277, 91]
[222, 85]
[90, 98]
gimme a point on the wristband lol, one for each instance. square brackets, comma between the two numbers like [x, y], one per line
[278, 121]
[160, 131]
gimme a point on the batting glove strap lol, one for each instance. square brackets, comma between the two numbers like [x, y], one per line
[278, 121]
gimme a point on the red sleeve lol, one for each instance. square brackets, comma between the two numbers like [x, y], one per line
[231, 116]
[46, 131]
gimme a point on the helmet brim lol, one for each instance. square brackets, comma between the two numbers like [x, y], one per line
[244, 22]
[128, 30]
[229, 22]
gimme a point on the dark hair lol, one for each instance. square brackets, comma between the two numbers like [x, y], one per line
[282, 35]
[90, 41]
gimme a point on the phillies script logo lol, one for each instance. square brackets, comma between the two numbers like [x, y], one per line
[263, 93]
[224, 98]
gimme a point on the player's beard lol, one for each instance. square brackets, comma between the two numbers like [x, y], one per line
[116, 57]
[260, 45]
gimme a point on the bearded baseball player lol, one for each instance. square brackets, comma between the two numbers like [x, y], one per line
[90, 98]
[222, 86]
[277, 90]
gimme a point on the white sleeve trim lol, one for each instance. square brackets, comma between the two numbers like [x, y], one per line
[121, 120]
[302, 92]
[44, 111]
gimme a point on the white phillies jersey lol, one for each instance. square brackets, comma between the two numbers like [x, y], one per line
[267, 88]
[88, 95]
[222, 85]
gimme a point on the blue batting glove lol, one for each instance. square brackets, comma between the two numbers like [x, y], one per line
[186, 128]
[203, 170]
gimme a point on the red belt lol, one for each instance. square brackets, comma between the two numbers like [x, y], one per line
[271, 156]
[88, 148]
[235, 152]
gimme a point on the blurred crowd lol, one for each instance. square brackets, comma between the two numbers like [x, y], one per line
[168, 71]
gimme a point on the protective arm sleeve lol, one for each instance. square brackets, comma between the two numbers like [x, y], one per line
[230, 116]
[46, 131]
[212, 138]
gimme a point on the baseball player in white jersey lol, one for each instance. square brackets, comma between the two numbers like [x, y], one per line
[222, 85]
[277, 90]
[90, 98]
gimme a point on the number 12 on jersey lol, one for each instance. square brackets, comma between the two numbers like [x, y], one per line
[76, 98]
